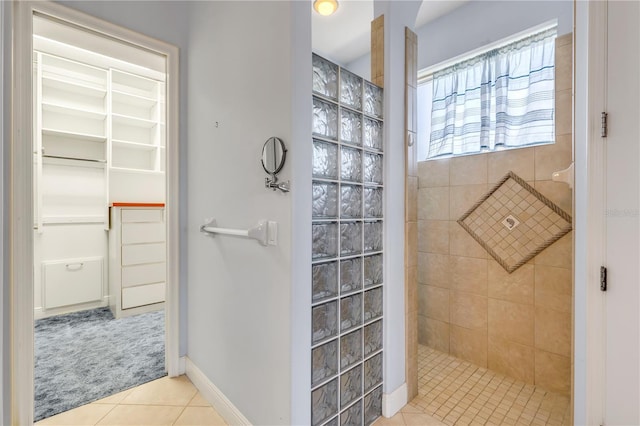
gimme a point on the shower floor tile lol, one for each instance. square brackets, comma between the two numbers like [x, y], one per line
[455, 392]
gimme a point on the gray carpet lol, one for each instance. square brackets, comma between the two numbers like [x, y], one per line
[85, 356]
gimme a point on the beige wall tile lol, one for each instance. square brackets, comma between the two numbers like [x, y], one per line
[468, 310]
[411, 290]
[433, 236]
[510, 358]
[557, 254]
[433, 203]
[411, 242]
[564, 39]
[433, 269]
[433, 173]
[558, 192]
[564, 60]
[412, 156]
[514, 287]
[463, 244]
[463, 197]
[519, 161]
[469, 275]
[434, 334]
[411, 214]
[434, 302]
[470, 345]
[563, 112]
[468, 169]
[511, 321]
[553, 331]
[554, 288]
[553, 157]
[553, 372]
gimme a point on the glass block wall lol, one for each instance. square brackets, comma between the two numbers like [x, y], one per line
[347, 248]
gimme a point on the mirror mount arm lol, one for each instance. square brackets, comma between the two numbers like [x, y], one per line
[272, 183]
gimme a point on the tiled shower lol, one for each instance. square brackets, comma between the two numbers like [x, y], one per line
[347, 251]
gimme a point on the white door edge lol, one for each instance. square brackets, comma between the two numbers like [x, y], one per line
[21, 204]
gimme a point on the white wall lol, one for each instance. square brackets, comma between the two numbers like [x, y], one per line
[477, 24]
[166, 21]
[241, 78]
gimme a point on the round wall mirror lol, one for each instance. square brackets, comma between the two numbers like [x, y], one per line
[273, 155]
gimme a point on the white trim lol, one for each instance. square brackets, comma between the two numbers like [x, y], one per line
[426, 74]
[21, 232]
[214, 396]
[394, 401]
[182, 365]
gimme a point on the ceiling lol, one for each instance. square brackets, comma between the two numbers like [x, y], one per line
[345, 35]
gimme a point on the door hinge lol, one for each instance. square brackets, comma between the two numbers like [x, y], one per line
[603, 125]
[603, 278]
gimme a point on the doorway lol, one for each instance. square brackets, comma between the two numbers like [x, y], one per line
[96, 112]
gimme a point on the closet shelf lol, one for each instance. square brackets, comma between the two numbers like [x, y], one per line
[52, 220]
[133, 99]
[139, 171]
[64, 109]
[73, 135]
[57, 82]
[134, 145]
[133, 121]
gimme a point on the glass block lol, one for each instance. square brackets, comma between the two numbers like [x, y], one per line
[350, 238]
[372, 372]
[372, 236]
[372, 100]
[324, 402]
[350, 386]
[324, 321]
[373, 202]
[325, 160]
[373, 134]
[372, 168]
[325, 280]
[350, 311]
[350, 127]
[332, 422]
[372, 303]
[350, 349]
[325, 200]
[373, 406]
[325, 240]
[352, 416]
[325, 119]
[350, 201]
[351, 164]
[324, 362]
[373, 270]
[325, 77]
[372, 338]
[350, 89]
[350, 275]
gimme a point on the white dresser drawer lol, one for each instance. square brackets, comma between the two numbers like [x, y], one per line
[143, 253]
[142, 295]
[143, 274]
[142, 215]
[136, 233]
[72, 281]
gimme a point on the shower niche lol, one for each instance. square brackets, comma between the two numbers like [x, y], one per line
[347, 250]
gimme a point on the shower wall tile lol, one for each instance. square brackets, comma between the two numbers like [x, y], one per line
[519, 161]
[516, 287]
[324, 402]
[564, 63]
[512, 359]
[324, 362]
[468, 310]
[558, 254]
[563, 112]
[557, 192]
[553, 288]
[434, 202]
[463, 244]
[469, 275]
[553, 372]
[434, 301]
[434, 269]
[553, 331]
[554, 157]
[433, 236]
[325, 160]
[470, 345]
[434, 333]
[511, 321]
[468, 170]
[325, 280]
[433, 173]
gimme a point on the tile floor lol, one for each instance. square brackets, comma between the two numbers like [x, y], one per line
[456, 392]
[166, 401]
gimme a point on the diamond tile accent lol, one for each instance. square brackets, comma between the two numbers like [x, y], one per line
[514, 222]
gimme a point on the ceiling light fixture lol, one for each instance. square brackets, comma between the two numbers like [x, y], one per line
[325, 7]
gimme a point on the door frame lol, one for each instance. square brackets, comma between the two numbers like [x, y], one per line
[21, 194]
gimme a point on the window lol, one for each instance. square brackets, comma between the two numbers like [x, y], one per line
[502, 98]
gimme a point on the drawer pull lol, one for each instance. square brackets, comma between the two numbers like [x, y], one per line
[74, 266]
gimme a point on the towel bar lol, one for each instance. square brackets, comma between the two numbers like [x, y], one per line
[264, 232]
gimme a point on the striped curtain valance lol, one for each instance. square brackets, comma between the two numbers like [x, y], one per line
[504, 97]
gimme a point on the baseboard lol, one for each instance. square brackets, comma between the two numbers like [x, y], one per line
[394, 401]
[182, 365]
[214, 396]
